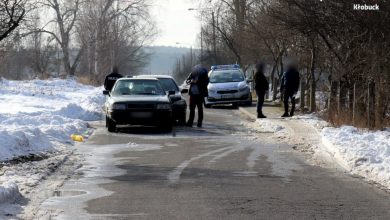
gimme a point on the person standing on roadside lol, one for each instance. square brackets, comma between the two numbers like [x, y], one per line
[261, 87]
[198, 81]
[289, 87]
[111, 79]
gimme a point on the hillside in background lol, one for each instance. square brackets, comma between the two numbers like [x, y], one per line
[163, 59]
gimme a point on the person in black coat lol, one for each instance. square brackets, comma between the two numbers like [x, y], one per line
[289, 87]
[261, 87]
[111, 79]
[198, 81]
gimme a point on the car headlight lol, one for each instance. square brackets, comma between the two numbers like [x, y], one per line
[163, 106]
[212, 91]
[243, 88]
[117, 106]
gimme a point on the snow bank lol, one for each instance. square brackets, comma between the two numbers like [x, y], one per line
[39, 116]
[362, 152]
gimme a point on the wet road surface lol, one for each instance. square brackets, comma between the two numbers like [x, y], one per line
[221, 171]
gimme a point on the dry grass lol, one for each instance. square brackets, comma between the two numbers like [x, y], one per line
[86, 80]
[360, 121]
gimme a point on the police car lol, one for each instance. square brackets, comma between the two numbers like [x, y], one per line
[228, 85]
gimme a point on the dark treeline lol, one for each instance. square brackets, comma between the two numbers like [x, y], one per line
[342, 53]
[85, 38]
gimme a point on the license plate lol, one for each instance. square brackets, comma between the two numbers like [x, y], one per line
[226, 96]
[141, 114]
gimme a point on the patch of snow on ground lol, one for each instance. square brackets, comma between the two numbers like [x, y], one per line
[38, 117]
[363, 152]
[313, 120]
[268, 126]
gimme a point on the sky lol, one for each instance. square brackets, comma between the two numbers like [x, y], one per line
[175, 23]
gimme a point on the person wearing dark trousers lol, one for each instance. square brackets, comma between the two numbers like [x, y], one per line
[261, 87]
[289, 87]
[111, 79]
[198, 81]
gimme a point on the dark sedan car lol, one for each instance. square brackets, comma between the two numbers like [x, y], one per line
[140, 101]
[179, 104]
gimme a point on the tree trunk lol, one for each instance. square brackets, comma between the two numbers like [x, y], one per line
[302, 98]
[333, 99]
[313, 83]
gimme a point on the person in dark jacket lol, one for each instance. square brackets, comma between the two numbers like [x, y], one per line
[289, 87]
[111, 79]
[261, 87]
[198, 81]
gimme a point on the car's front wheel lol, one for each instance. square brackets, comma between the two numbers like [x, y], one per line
[111, 125]
[249, 103]
[207, 105]
[182, 119]
[166, 127]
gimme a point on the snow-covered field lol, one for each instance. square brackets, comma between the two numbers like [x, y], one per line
[38, 117]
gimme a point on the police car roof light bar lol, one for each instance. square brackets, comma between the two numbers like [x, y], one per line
[226, 67]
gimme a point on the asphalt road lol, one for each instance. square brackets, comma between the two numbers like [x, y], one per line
[221, 171]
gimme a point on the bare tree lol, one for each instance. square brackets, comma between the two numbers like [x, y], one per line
[115, 33]
[66, 15]
[12, 13]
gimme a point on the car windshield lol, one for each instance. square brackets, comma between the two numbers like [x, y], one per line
[137, 87]
[226, 76]
[168, 84]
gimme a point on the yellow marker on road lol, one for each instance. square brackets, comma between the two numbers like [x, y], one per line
[77, 138]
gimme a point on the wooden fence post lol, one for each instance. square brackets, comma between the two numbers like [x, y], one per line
[354, 105]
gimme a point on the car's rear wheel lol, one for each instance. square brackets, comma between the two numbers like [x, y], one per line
[111, 125]
[235, 105]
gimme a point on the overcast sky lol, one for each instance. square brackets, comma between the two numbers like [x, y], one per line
[176, 23]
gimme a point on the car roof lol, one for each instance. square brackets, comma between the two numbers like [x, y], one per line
[154, 76]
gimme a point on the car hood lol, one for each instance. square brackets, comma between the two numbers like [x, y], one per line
[226, 86]
[140, 98]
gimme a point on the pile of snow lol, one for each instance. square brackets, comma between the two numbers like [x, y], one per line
[313, 120]
[39, 116]
[362, 152]
[9, 192]
[268, 126]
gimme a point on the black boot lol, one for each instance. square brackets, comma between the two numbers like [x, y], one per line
[260, 115]
[285, 115]
[292, 111]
